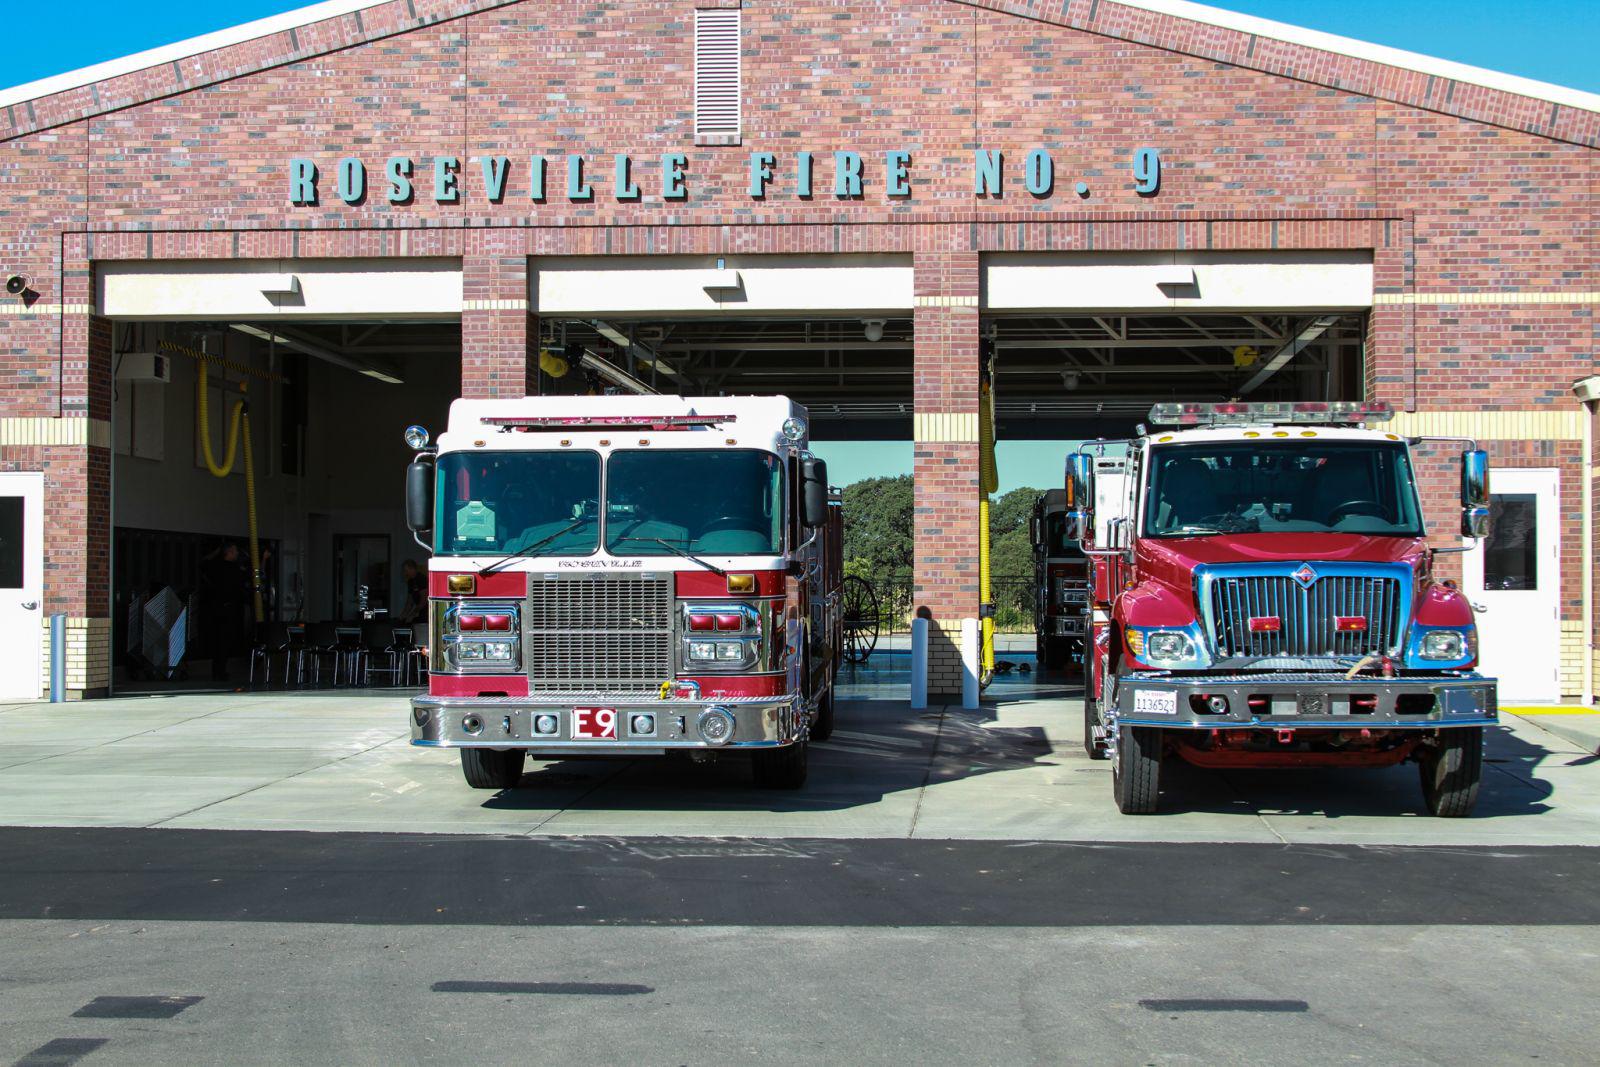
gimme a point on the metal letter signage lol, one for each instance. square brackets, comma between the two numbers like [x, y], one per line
[770, 177]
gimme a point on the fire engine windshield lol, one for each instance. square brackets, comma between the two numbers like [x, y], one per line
[502, 502]
[720, 503]
[1299, 486]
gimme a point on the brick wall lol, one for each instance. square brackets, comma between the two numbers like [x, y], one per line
[1479, 206]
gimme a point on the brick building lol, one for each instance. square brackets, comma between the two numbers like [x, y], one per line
[1114, 201]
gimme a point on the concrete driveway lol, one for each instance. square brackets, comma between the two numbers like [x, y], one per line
[1013, 770]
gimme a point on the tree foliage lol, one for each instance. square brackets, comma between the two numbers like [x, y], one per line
[879, 517]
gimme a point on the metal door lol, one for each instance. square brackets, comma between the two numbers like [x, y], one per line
[21, 584]
[1514, 576]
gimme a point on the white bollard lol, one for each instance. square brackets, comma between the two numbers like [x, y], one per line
[919, 663]
[971, 644]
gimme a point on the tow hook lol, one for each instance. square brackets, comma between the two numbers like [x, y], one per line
[1285, 737]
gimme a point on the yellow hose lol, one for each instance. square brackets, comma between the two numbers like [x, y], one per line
[988, 482]
[241, 417]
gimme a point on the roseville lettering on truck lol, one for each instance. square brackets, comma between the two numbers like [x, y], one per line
[1264, 597]
[626, 575]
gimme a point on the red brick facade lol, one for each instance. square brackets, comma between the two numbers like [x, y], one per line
[1456, 189]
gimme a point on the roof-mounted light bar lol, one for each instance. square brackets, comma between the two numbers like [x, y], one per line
[1349, 412]
[526, 423]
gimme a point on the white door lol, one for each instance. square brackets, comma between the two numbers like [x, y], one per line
[1515, 576]
[21, 584]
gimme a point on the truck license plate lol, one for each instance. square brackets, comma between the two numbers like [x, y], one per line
[594, 724]
[1155, 702]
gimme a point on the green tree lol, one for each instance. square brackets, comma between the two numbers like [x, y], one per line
[878, 523]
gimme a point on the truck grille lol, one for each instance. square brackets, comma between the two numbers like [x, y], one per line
[1306, 615]
[598, 632]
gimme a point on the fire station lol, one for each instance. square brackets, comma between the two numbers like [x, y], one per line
[239, 266]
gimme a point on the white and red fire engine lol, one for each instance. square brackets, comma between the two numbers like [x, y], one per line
[626, 575]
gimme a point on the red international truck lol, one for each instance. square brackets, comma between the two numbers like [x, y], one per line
[1061, 585]
[1264, 596]
[626, 576]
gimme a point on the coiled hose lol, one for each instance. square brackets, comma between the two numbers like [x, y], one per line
[240, 419]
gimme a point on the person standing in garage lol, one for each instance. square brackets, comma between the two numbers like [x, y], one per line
[227, 588]
[416, 592]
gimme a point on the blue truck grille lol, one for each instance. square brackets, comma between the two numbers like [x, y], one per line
[1306, 615]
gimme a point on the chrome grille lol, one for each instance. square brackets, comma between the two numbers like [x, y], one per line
[1306, 615]
[598, 632]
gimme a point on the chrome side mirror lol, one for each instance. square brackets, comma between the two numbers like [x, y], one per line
[1475, 522]
[1077, 524]
[1080, 482]
[1475, 479]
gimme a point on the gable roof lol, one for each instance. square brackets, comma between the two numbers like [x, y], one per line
[1174, 25]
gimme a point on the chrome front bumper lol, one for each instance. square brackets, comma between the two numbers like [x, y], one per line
[1308, 700]
[508, 722]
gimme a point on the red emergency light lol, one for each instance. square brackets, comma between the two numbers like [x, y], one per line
[1235, 413]
[529, 423]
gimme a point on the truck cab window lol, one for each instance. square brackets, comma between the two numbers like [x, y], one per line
[1303, 486]
[498, 502]
[726, 503]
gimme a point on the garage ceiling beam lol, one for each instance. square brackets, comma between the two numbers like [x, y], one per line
[1279, 359]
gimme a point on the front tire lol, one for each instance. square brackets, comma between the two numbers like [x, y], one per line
[1451, 772]
[492, 768]
[781, 768]
[822, 729]
[1136, 772]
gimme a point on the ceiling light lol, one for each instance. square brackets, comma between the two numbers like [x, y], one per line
[873, 328]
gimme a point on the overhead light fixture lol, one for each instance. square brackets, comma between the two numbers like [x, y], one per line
[1069, 379]
[611, 333]
[873, 329]
[376, 371]
[614, 374]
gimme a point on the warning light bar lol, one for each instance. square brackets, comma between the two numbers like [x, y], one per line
[1348, 412]
[527, 423]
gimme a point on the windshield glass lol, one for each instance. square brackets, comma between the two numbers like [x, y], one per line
[718, 503]
[503, 502]
[1056, 542]
[1293, 487]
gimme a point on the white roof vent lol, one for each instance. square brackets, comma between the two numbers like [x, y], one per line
[716, 76]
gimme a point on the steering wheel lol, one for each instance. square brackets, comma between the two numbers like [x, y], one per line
[740, 522]
[1359, 507]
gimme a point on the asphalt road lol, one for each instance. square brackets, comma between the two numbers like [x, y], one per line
[140, 946]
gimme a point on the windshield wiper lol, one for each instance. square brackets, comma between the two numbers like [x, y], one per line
[530, 549]
[675, 550]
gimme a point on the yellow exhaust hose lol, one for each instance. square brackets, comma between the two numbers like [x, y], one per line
[240, 418]
[988, 482]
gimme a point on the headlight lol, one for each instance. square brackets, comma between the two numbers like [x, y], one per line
[729, 650]
[1444, 644]
[500, 650]
[1167, 645]
[703, 650]
[469, 650]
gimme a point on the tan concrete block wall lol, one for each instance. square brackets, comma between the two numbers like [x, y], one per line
[88, 652]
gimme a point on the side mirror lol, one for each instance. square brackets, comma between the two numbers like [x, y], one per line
[1080, 482]
[813, 492]
[1077, 525]
[1034, 533]
[1475, 479]
[419, 495]
[1475, 522]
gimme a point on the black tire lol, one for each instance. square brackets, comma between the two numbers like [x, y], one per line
[1136, 772]
[1094, 749]
[781, 768]
[1451, 772]
[492, 768]
[822, 729]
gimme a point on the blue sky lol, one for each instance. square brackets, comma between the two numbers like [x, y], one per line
[1544, 39]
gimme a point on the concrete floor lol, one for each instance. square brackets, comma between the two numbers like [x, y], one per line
[1012, 770]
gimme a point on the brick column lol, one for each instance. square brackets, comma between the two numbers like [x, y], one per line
[499, 338]
[74, 452]
[945, 451]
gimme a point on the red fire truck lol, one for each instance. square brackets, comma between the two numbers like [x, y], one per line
[1264, 596]
[626, 575]
[1061, 584]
